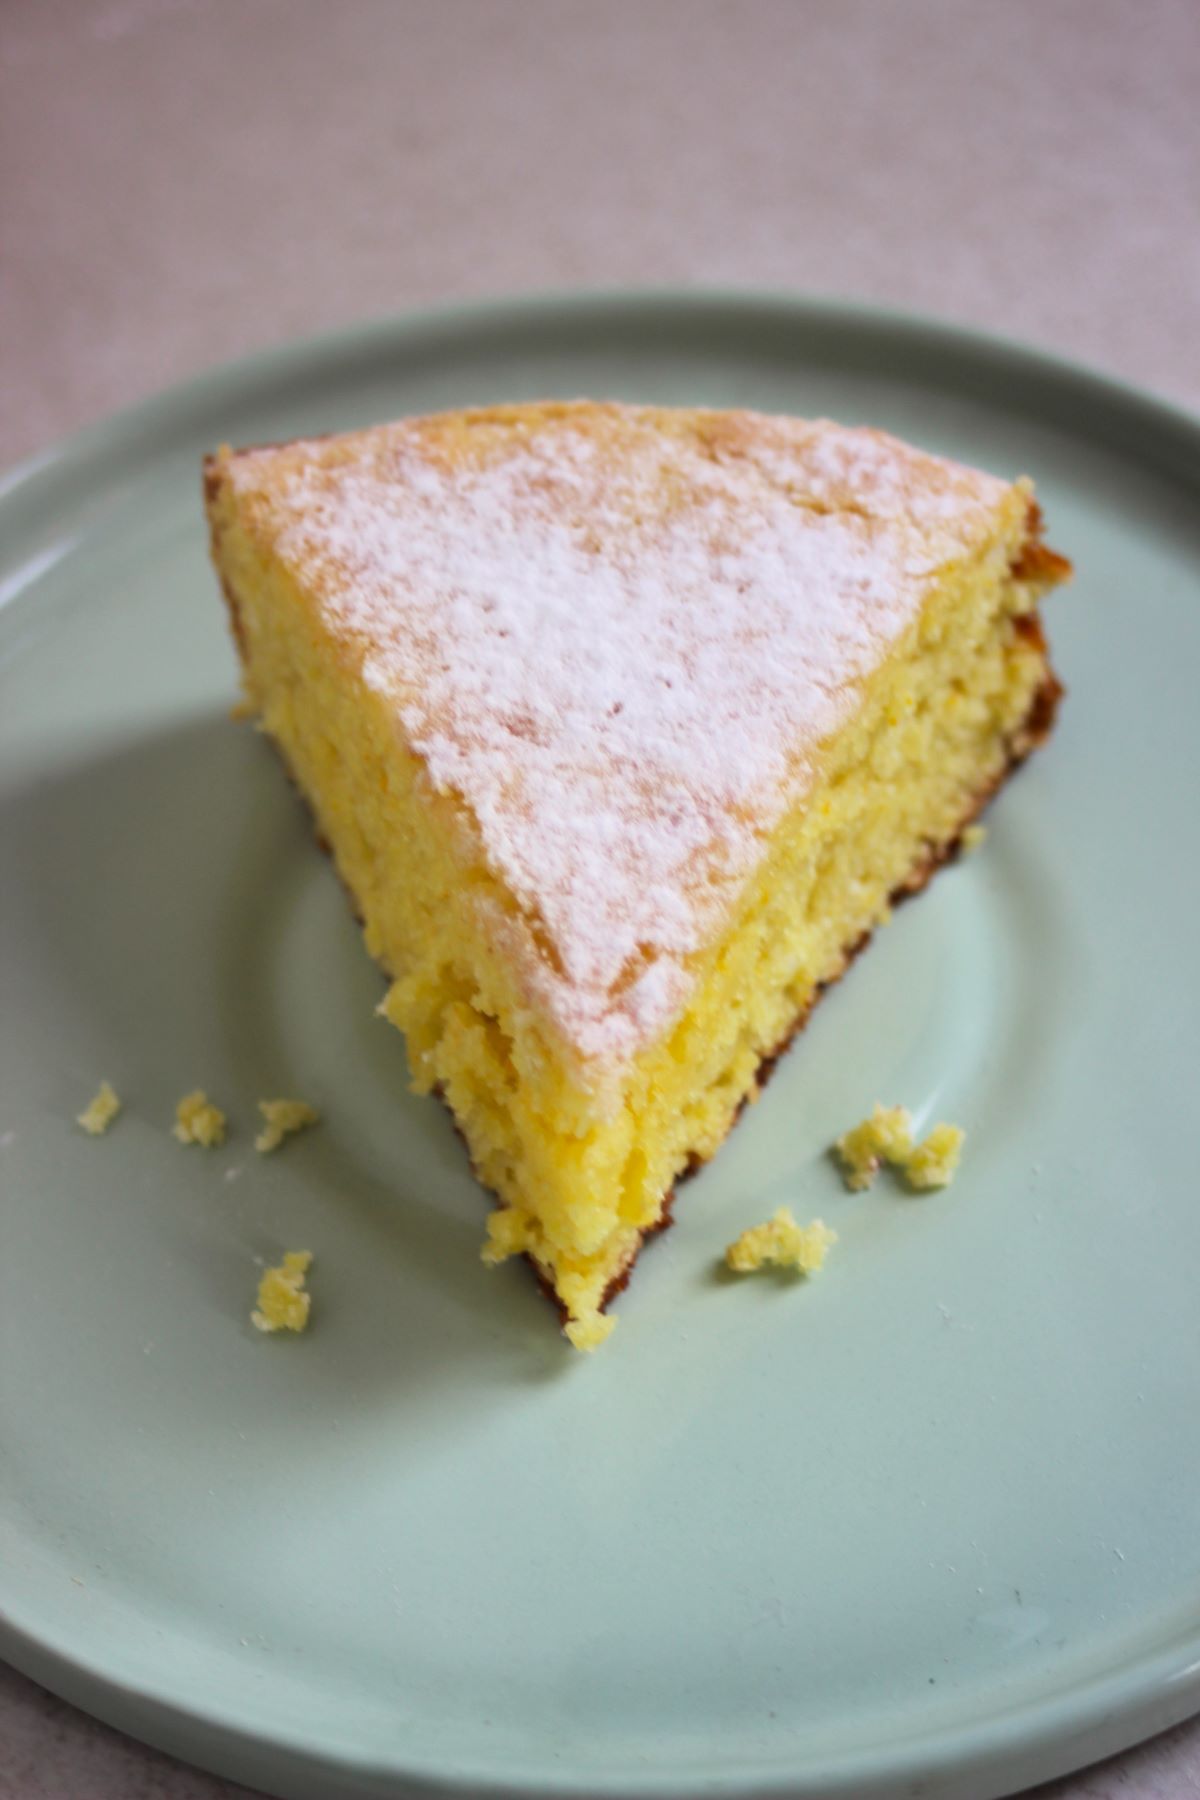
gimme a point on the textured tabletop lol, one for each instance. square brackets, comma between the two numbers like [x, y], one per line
[185, 180]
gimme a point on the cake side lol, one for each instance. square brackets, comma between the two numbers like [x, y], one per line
[937, 736]
[407, 855]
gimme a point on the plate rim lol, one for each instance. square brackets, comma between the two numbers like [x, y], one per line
[1016, 1748]
[274, 360]
[1030, 1741]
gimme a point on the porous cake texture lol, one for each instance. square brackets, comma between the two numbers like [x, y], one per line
[622, 724]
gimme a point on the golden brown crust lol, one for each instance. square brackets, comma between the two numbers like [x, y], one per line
[212, 488]
[1037, 561]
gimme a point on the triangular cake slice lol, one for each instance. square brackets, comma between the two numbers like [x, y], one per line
[624, 725]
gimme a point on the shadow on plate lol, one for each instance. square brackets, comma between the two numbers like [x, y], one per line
[178, 928]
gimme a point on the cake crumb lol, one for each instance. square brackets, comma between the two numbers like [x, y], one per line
[100, 1110]
[590, 1331]
[782, 1244]
[885, 1137]
[972, 838]
[282, 1118]
[508, 1234]
[198, 1121]
[934, 1162]
[283, 1302]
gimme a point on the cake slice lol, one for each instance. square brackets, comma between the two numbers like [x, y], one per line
[624, 726]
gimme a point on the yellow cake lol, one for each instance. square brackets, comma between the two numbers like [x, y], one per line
[199, 1121]
[284, 1301]
[887, 1136]
[100, 1110]
[283, 1118]
[623, 724]
[779, 1243]
[934, 1162]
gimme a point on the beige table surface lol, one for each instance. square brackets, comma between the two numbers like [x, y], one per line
[183, 180]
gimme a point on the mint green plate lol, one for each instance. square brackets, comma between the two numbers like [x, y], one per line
[932, 1519]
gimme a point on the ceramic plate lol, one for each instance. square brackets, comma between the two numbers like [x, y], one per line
[932, 1518]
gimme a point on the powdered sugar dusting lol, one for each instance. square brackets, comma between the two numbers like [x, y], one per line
[618, 635]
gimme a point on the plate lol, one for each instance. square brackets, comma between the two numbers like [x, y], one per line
[932, 1519]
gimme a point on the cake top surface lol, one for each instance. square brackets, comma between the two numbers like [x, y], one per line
[619, 635]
